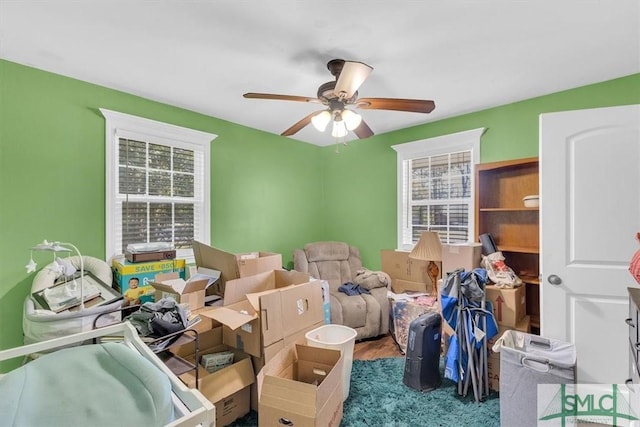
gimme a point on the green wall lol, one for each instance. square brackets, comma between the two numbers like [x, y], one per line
[360, 181]
[267, 192]
[264, 188]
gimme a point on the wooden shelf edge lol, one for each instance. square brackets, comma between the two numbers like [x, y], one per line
[535, 321]
[506, 163]
[519, 249]
[516, 209]
[531, 280]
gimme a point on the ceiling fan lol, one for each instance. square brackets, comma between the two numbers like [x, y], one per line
[341, 93]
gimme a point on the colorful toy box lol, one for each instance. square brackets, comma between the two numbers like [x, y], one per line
[125, 273]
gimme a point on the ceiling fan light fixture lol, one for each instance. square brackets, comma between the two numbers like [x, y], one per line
[321, 120]
[339, 129]
[352, 75]
[351, 119]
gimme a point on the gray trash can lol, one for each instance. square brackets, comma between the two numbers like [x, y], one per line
[527, 360]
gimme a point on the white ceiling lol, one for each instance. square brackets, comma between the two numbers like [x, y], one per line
[203, 55]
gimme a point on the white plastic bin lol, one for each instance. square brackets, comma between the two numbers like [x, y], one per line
[336, 337]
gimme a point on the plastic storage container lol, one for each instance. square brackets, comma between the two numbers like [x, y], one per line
[336, 337]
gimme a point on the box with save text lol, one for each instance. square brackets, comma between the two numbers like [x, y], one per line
[134, 279]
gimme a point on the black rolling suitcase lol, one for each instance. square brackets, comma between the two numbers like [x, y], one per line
[422, 360]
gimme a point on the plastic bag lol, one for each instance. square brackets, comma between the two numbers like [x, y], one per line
[499, 272]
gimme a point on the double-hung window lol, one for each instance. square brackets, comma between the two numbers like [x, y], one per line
[157, 184]
[436, 187]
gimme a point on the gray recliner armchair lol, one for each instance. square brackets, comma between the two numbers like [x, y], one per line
[338, 263]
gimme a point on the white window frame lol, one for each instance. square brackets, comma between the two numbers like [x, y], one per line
[120, 125]
[445, 144]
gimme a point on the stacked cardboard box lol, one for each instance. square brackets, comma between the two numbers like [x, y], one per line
[460, 255]
[172, 286]
[233, 266]
[229, 388]
[265, 312]
[262, 309]
[509, 308]
[407, 274]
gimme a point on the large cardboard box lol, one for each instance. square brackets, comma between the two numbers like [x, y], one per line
[265, 308]
[493, 361]
[403, 269]
[460, 255]
[229, 389]
[234, 266]
[145, 272]
[509, 304]
[170, 285]
[302, 385]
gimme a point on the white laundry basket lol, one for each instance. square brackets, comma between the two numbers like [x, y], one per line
[336, 337]
[527, 360]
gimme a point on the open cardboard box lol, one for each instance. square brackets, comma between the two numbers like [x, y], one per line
[263, 309]
[233, 266]
[170, 285]
[272, 350]
[407, 273]
[229, 389]
[302, 385]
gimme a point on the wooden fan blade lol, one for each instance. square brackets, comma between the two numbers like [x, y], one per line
[254, 95]
[353, 74]
[363, 130]
[300, 124]
[396, 104]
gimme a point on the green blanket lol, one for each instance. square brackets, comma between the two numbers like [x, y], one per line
[92, 385]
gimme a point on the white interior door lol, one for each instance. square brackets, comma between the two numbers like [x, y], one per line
[589, 215]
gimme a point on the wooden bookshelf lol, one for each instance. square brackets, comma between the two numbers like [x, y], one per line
[500, 188]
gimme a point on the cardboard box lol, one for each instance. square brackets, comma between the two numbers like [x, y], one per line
[271, 351]
[403, 269]
[303, 385]
[145, 272]
[170, 285]
[205, 323]
[399, 286]
[493, 361]
[509, 304]
[234, 266]
[460, 255]
[524, 325]
[265, 308]
[229, 389]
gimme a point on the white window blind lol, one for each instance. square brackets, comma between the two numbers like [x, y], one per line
[157, 184]
[436, 187]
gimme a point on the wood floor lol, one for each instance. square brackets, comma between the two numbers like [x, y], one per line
[376, 348]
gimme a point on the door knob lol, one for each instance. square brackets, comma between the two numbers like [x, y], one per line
[554, 280]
